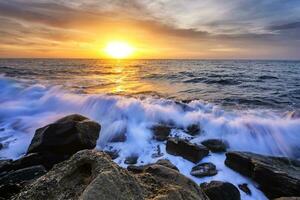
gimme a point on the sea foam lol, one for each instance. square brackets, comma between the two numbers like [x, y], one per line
[25, 107]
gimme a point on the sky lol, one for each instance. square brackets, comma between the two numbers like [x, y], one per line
[196, 29]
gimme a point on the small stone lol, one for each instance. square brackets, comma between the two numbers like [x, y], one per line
[244, 187]
[161, 132]
[204, 169]
[193, 129]
[131, 160]
[215, 145]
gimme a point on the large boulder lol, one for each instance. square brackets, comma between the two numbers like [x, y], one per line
[276, 176]
[215, 145]
[90, 175]
[185, 149]
[217, 190]
[66, 136]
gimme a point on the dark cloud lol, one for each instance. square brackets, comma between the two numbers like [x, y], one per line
[293, 25]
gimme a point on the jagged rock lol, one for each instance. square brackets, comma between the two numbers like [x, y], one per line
[12, 182]
[215, 145]
[187, 150]
[131, 160]
[276, 176]
[193, 129]
[217, 190]
[204, 169]
[161, 132]
[90, 175]
[244, 187]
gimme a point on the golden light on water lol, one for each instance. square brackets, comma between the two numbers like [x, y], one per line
[119, 50]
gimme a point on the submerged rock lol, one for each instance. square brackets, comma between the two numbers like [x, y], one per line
[276, 176]
[66, 136]
[217, 190]
[193, 129]
[131, 160]
[215, 145]
[244, 187]
[161, 132]
[187, 150]
[91, 175]
[204, 169]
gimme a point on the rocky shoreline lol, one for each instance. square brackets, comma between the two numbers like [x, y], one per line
[61, 164]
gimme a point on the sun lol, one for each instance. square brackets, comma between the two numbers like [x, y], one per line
[118, 50]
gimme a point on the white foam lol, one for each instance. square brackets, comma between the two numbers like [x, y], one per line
[26, 108]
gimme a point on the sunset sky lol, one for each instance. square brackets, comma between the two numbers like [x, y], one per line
[255, 29]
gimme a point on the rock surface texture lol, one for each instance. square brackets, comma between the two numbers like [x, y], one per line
[187, 150]
[217, 190]
[215, 145]
[276, 176]
[91, 175]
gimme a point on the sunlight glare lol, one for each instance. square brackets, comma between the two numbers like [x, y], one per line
[119, 50]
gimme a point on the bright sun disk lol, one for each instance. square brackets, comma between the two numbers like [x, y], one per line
[118, 50]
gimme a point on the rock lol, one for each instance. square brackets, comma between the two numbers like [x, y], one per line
[66, 136]
[1, 146]
[187, 150]
[193, 129]
[244, 187]
[112, 154]
[5, 165]
[161, 132]
[276, 176]
[217, 190]
[215, 145]
[119, 137]
[287, 198]
[167, 163]
[13, 181]
[204, 169]
[158, 153]
[90, 175]
[131, 160]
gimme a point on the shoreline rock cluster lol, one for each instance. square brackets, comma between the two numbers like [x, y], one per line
[60, 164]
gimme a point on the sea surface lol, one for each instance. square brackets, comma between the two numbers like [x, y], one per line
[254, 105]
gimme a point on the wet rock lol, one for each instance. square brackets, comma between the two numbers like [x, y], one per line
[120, 137]
[131, 160]
[215, 145]
[193, 129]
[13, 181]
[66, 136]
[89, 175]
[276, 176]
[161, 132]
[113, 154]
[5, 165]
[187, 150]
[244, 187]
[287, 198]
[204, 169]
[167, 163]
[1, 146]
[158, 153]
[217, 190]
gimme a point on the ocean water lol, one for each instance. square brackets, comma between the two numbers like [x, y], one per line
[254, 105]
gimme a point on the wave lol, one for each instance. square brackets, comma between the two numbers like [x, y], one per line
[25, 108]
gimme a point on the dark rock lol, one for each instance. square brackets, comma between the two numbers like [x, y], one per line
[276, 176]
[204, 169]
[187, 150]
[119, 137]
[12, 182]
[215, 145]
[112, 154]
[217, 190]
[89, 175]
[161, 132]
[287, 198]
[244, 187]
[5, 165]
[158, 153]
[193, 129]
[131, 160]
[1, 146]
[66, 136]
[167, 163]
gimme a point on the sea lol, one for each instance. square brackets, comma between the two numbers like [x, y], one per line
[252, 104]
